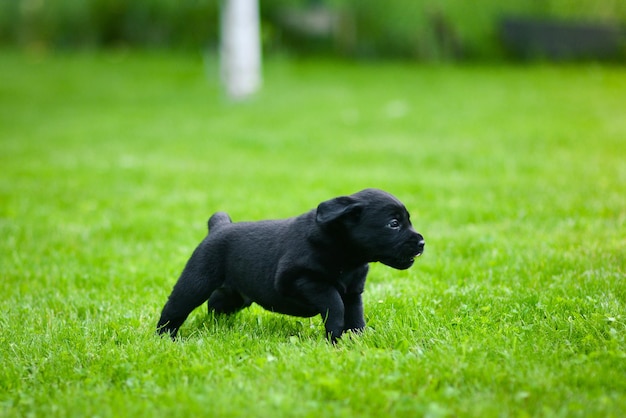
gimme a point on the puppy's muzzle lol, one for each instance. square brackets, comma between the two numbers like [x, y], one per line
[405, 256]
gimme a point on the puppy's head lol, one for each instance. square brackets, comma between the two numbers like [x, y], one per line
[375, 224]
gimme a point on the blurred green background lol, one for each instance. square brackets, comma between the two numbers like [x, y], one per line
[420, 29]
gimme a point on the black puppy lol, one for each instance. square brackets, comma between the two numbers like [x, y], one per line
[312, 264]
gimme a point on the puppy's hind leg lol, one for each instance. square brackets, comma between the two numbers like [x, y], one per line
[179, 305]
[227, 301]
[196, 283]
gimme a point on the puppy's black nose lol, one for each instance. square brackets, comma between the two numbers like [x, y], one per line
[420, 242]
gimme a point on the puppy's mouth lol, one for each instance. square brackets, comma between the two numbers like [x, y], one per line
[412, 259]
[401, 263]
[415, 256]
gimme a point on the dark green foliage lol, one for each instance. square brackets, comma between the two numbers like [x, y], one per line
[431, 30]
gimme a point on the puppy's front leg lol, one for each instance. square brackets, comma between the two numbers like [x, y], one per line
[327, 301]
[354, 317]
[353, 303]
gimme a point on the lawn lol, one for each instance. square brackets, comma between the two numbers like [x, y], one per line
[516, 176]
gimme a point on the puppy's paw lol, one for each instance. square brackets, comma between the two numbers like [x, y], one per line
[334, 336]
[356, 330]
[164, 332]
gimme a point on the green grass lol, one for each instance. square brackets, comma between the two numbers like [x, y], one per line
[112, 163]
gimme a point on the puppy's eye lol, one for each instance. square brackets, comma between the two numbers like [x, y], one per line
[394, 224]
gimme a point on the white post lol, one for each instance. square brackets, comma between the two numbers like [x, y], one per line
[240, 50]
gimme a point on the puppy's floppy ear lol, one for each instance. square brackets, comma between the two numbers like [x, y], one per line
[343, 207]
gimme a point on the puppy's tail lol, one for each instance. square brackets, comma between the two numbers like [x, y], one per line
[217, 219]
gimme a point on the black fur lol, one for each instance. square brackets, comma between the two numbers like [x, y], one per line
[312, 264]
